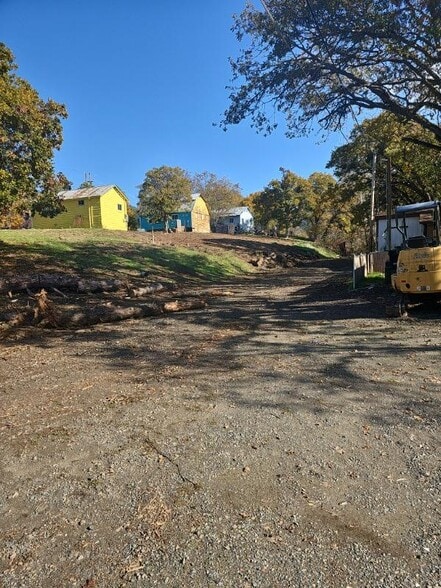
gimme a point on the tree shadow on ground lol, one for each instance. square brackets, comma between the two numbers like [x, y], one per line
[291, 342]
[250, 246]
[98, 259]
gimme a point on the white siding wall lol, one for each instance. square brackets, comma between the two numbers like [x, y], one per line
[414, 228]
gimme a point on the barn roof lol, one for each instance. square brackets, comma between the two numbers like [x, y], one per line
[188, 206]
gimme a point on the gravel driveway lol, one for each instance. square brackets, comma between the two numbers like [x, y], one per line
[286, 436]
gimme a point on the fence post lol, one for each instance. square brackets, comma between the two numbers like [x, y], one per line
[369, 263]
[359, 271]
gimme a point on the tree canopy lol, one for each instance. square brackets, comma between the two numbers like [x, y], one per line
[281, 204]
[132, 215]
[315, 205]
[326, 60]
[164, 191]
[219, 193]
[328, 214]
[30, 131]
[415, 168]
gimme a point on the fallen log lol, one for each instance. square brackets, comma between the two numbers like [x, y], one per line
[99, 285]
[219, 293]
[58, 281]
[204, 293]
[103, 314]
[180, 305]
[36, 282]
[46, 314]
[107, 313]
[150, 289]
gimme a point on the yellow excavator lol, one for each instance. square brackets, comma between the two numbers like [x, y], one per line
[415, 266]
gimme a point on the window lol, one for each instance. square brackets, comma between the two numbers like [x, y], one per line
[119, 206]
[175, 217]
[80, 202]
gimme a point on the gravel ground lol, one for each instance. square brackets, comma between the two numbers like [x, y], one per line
[286, 436]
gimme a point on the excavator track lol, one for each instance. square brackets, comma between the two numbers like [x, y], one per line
[396, 306]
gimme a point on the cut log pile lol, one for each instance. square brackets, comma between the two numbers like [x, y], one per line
[42, 311]
[59, 281]
[46, 314]
[271, 260]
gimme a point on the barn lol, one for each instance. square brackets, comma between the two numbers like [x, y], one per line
[193, 216]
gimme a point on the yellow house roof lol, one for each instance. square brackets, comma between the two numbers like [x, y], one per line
[91, 192]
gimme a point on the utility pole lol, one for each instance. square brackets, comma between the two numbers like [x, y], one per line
[389, 203]
[372, 232]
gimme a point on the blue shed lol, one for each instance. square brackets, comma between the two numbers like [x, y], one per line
[192, 217]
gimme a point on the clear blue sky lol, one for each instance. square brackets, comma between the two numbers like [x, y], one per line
[143, 82]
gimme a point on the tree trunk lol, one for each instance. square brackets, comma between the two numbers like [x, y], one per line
[46, 314]
[151, 289]
[178, 306]
[60, 281]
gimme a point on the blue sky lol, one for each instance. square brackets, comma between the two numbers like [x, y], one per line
[143, 82]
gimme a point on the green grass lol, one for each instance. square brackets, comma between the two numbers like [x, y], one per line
[49, 236]
[374, 279]
[311, 248]
[111, 252]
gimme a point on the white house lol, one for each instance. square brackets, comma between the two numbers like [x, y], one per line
[414, 227]
[236, 220]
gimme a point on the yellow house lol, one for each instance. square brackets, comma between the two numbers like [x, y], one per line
[98, 207]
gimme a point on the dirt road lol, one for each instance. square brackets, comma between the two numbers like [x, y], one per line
[286, 436]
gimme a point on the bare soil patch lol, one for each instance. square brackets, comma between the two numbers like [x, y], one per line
[286, 435]
[73, 299]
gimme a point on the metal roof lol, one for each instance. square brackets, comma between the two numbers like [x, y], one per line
[88, 192]
[237, 211]
[419, 206]
[188, 206]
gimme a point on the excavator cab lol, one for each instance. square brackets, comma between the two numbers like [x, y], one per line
[417, 277]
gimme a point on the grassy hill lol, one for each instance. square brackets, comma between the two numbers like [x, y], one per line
[194, 256]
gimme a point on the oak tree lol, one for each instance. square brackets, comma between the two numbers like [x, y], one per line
[219, 193]
[327, 61]
[415, 174]
[282, 203]
[30, 131]
[328, 215]
[164, 191]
